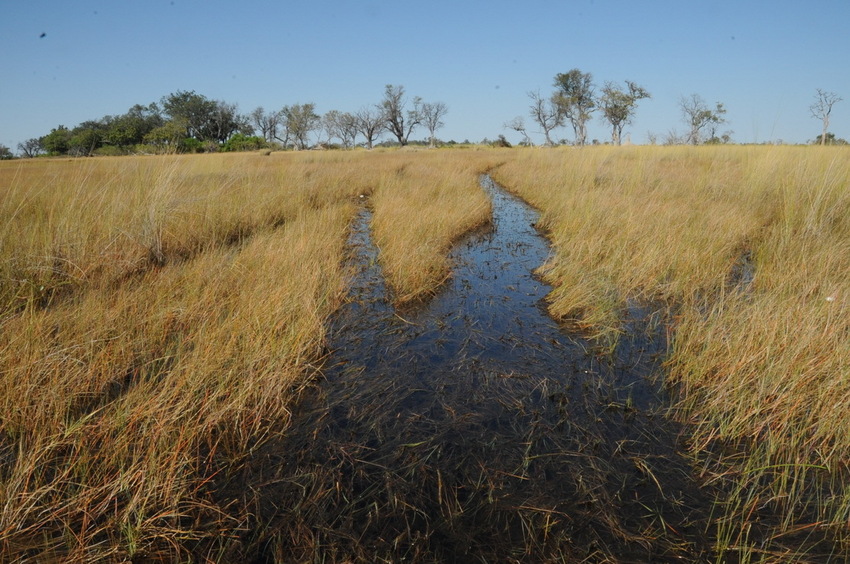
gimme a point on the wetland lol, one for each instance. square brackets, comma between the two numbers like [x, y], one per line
[474, 427]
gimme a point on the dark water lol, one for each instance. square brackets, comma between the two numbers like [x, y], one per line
[474, 428]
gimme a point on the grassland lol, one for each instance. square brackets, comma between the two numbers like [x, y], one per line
[160, 315]
[747, 250]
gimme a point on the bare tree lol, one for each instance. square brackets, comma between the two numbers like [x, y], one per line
[340, 125]
[672, 137]
[398, 121]
[432, 116]
[266, 123]
[618, 106]
[31, 148]
[697, 115]
[518, 125]
[330, 125]
[822, 108]
[370, 123]
[575, 98]
[546, 113]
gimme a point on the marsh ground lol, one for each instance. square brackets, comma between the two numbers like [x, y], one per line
[161, 318]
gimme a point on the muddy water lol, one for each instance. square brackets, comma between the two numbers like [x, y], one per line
[475, 428]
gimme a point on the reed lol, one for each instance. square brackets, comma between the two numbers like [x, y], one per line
[159, 317]
[422, 204]
[747, 250]
[131, 390]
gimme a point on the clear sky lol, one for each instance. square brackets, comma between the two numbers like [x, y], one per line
[63, 62]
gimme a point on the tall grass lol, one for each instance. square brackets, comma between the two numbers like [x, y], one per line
[421, 205]
[159, 317]
[748, 251]
[133, 384]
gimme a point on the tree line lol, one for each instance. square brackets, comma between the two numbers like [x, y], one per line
[575, 100]
[187, 122]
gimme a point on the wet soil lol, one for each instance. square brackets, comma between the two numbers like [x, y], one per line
[475, 428]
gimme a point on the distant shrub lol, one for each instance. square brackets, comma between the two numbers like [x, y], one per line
[240, 142]
[501, 142]
[109, 151]
[210, 146]
[191, 145]
[148, 149]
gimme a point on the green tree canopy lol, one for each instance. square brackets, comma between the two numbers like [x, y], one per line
[130, 128]
[299, 120]
[618, 106]
[57, 142]
[86, 138]
[192, 110]
[168, 137]
[574, 96]
[204, 119]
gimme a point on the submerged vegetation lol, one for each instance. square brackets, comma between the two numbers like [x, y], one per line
[748, 252]
[161, 317]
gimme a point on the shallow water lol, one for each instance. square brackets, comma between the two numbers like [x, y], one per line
[474, 427]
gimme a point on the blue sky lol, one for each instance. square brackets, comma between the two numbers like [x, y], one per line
[762, 59]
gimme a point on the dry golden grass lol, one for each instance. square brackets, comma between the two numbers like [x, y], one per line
[421, 205]
[750, 249]
[159, 316]
[633, 223]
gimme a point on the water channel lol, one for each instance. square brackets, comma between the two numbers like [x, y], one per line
[475, 428]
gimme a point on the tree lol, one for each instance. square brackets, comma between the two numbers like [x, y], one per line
[829, 139]
[398, 121]
[697, 115]
[432, 116]
[341, 125]
[575, 99]
[716, 120]
[169, 137]
[30, 148]
[822, 108]
[5, 153]
[86, 138]
[370, 124]
[223, 121]
[547, 113]
[266, 123]
[243, 142]
[501, 142]
[347, 126]
[618, 106]
[299, 120]
[518, 125]
[57, 141]
[192, 110]
[329, 124]
[130, 128]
